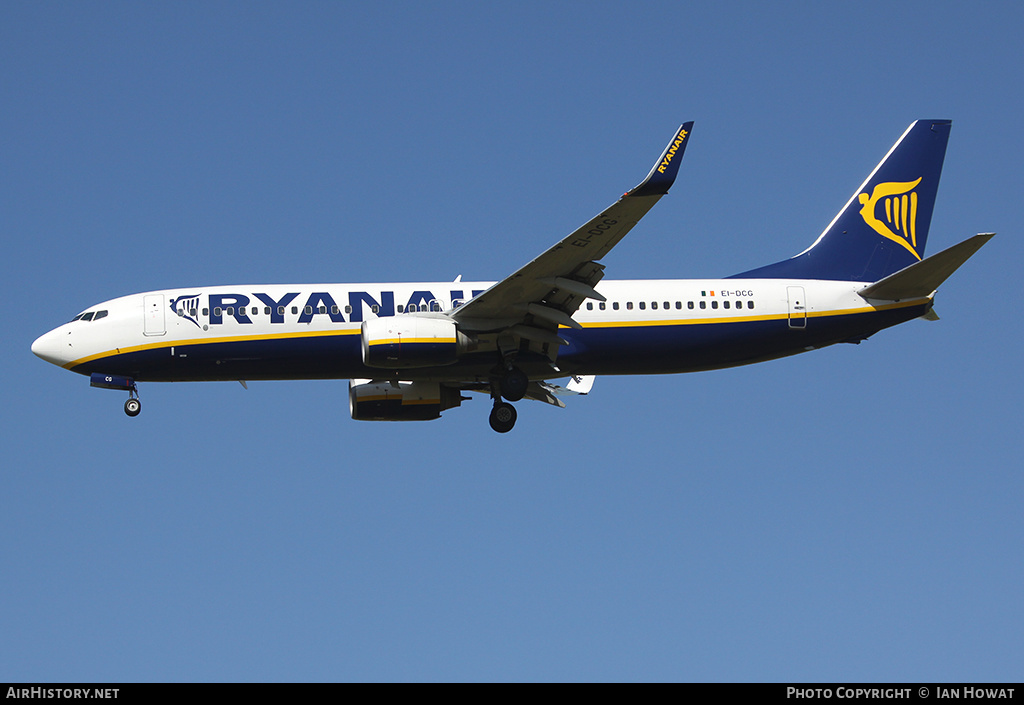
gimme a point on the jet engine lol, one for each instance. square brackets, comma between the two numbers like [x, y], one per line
[371, 400]
[394, 342]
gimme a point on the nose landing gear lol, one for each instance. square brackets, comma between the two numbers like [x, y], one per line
[133, 406]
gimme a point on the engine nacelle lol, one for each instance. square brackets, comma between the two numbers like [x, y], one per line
[393, 342]
[400, 401]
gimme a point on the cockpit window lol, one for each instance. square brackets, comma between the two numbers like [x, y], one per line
[89, 316]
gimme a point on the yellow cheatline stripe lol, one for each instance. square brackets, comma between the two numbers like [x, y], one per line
[679, 322]
[209, 341]
[411, 341]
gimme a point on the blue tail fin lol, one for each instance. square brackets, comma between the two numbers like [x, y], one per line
[884, 226]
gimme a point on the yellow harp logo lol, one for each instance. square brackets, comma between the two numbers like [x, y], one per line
[900, 202]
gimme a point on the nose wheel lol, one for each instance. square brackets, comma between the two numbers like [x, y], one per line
[133, 406]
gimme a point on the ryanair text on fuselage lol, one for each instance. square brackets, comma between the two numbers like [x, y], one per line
[317, 303]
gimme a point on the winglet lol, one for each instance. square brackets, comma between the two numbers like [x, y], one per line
[660, 180]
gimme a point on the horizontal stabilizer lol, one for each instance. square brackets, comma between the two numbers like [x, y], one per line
[922, 278]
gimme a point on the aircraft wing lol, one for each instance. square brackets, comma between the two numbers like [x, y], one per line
[542, 295]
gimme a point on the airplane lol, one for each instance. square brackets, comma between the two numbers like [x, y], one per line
[411, 350]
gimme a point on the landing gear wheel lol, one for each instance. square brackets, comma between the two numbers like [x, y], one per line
[503, 417]
[513, 384]
[132, 407]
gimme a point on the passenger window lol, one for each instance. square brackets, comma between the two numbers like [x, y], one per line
[643, 305]
[739, 304]
[230, 310]
[375, 308]
[601, 306]
[335, 310]
[714, 304]
[266, 311]
[255, 310]
[280, 310]
[689, 304]
[703, 304]
[192, 313]
[590, 306]
[321, 309]
[725, 304]
[206, 312]
[308, 310]
[217, 311]
[295, 309]
[348, 309]
[654, 305]
[750, 304]
[399, 309]
[615, 305]
[629, 305]
[677, 305]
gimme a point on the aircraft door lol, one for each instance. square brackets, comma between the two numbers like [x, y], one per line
[797, 307]
[153, 310]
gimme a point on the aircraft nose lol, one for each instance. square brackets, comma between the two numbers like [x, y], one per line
[48, 347]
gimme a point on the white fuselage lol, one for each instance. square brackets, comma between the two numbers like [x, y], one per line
[265, 331]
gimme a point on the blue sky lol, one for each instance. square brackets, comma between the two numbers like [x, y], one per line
[851, 514]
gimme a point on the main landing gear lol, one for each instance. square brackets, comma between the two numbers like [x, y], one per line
[511, 386]
[514, 383]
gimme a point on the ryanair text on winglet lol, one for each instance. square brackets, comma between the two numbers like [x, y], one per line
[680, 138]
